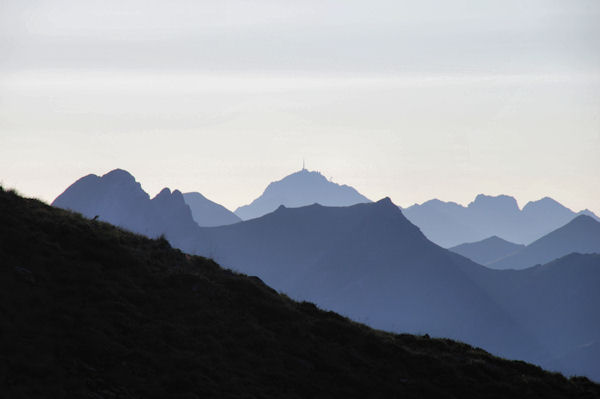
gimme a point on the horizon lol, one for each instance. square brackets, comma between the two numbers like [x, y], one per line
[411, 101]
[152, 194]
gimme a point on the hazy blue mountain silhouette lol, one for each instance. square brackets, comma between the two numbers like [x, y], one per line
[370, 263]
[449, 224]
[208, 213]
[581, 235]
[486, 251]
[118, 198]
[558, 304]
[300, 189]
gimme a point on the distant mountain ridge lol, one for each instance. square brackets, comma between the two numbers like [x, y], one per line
[207, 213]
[449, 224]
[300, 189]
[118, 198]
[580, 235]
[558, 303]
[486, 251]
[368, 262]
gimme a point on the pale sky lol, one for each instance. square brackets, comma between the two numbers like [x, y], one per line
[411, 100]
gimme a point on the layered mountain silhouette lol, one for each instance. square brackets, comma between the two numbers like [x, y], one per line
[300, 189]
[449, 224]
[486, 251]
[556, 302]
[581, 235]
[90, 310]
[118, 198]
[370, 263]
[208, 213]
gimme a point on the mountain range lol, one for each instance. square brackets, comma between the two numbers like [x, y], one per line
[90, 310]
[449, 224]
[119, 199]
[370, 263]
[581, 235]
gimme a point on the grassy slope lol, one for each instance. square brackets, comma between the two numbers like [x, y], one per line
[89, 310]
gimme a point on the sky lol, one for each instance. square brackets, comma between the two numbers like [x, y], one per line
[411, 100]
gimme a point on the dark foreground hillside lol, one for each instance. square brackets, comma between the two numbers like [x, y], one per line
[91, 311]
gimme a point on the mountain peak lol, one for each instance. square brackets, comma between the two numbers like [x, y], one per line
[499, 202]
[167, 196]
[299, 189]
[120, 175]
[164, 192]
[386, 202]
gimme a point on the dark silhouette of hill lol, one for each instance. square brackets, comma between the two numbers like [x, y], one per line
[486, 251]
[90, 310]
[368, 262]
[449, 224]
[558, 303]
[581, 235]
[300, 189]
[119, 199]
[208, 213]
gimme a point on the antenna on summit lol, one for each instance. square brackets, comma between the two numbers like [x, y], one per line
[303, 168]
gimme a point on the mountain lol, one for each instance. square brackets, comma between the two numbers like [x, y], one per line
[581, 235]
[90, 310]
[486, 251]
[208, 213]
[369, 263]
[558, 303]
[118, 198]
[300, 189]
[449, 224]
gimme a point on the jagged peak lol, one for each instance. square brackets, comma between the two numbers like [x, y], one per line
[385, 201]
[483, 199]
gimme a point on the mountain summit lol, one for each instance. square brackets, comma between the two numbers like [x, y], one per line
[449, 224]
[300, 189]
[118, 198]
